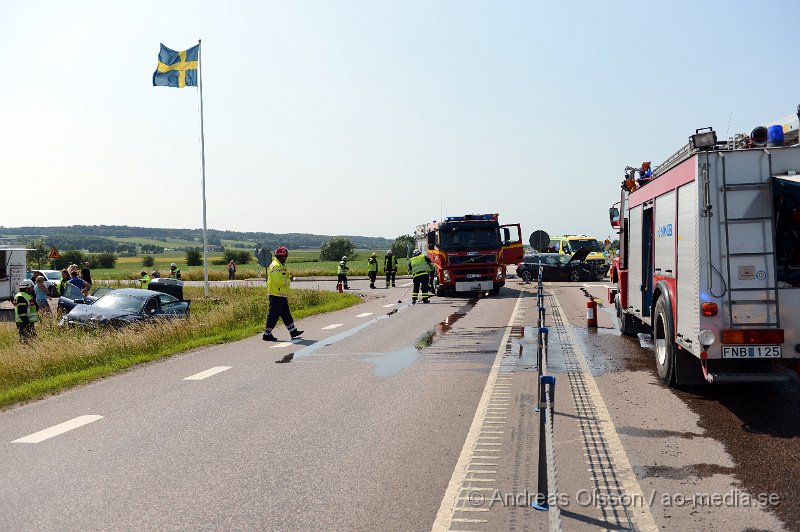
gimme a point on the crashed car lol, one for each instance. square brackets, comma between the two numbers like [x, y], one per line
[127, 305]
[73, 297]
[557, 267]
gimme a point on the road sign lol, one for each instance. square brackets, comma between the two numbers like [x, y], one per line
[53, 253]
[539, 240]
[264, 257]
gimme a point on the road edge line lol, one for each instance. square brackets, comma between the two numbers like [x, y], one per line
[641, 516]
[447, 509]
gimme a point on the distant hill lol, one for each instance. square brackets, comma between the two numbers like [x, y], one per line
[126, 239]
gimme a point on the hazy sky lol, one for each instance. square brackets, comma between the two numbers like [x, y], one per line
[365, 117]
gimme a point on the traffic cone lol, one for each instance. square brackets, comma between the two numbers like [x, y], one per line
[591, 314]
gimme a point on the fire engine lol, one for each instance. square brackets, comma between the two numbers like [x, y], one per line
[709, 258]
[468, 252]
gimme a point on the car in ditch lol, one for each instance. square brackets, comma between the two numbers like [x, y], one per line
[557, 267]
[125, 306]
[73, 297]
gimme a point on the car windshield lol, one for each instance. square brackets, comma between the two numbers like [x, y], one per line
[579, 243]
[53, 276]
[467, 237]
[123, 302]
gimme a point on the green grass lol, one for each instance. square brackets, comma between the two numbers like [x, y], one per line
[65, 357]
[301, 263]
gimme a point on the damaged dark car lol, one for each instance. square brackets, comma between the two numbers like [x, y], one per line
[125, 306]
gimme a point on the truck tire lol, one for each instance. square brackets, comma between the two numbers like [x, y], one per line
[441, 291]
[494, 291]
[663, 339]
[627, 324]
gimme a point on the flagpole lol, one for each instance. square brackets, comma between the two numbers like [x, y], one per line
[203, 164]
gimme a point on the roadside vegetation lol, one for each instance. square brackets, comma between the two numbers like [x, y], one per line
[60, 358]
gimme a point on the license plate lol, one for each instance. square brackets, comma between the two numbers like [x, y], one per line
[473, 286]
[751, 351]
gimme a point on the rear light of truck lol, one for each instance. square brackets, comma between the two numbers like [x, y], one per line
[752, 336]
[710, 309]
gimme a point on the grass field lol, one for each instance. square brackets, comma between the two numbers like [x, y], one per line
[63, 357]
[301, 263]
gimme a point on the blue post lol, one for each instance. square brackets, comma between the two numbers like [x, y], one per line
[542, 493]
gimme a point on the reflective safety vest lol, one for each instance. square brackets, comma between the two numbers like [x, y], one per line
[32, 313]
[277, 279]
[390, 263]
[373, 264]
[419, 265]
[173, 274]
[145, 281]
[342, 270]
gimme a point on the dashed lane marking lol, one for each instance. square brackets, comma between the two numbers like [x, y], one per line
[332, 326]
[389, 305]
[459, 481]
[363, 314]
[284, 344]
[61, 428]
[207, 373]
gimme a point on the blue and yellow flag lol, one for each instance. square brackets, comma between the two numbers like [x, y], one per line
[176, 69]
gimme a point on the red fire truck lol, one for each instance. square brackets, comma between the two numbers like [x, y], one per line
[470, 252]
[709, 260]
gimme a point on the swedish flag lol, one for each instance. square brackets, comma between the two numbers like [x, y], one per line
[177, 69]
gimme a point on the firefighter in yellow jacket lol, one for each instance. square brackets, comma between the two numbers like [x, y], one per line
[25, 311]
[278, 288]
[420, 270]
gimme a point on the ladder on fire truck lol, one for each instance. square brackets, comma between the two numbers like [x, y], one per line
[739, 293]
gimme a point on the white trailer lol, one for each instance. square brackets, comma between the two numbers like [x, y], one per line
[710, 264]
[12, 272]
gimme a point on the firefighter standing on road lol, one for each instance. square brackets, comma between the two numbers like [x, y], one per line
[144, 280]
[390, 267]
[372, 264]
[278, 288]
[341, 273]
[420, 270]
[26, 313]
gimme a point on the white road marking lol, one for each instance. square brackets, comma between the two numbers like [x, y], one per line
[363, 314]
[61, 428]
[641, 517]
[404, 285]
[333, 326]
[207, 373]
[389, 305]
[282, 344]
[445, 516]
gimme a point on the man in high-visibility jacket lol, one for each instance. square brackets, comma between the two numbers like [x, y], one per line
[341, 274]
[390, 267]
[278, 288]
[372, 269]
[26, 313]
[420, 270]
[144, 280]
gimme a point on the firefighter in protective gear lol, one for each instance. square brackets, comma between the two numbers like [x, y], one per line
[372, 269]
[278, 288]
[420, 270]
[174, 272]
[144, 280]
[26, 312]
[390, 267]
[341, 273]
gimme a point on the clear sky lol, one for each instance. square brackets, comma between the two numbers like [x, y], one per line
[366, 117]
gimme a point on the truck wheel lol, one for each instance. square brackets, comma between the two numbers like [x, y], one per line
[526, 276]
[627, 323]
[495, 291]
[440, 291]
[663, 336]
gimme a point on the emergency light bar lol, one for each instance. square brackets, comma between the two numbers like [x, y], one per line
[470, 217]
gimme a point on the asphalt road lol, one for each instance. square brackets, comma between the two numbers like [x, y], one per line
[400, 417]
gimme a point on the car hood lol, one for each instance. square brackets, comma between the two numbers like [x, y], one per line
[90, 313]
[581, 254]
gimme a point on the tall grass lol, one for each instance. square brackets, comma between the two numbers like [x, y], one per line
[61, 357]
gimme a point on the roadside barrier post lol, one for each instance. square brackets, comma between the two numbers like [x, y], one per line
[546, 399]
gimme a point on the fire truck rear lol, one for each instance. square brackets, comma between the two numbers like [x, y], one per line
[470, 252]
[710, 259]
